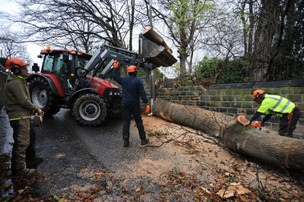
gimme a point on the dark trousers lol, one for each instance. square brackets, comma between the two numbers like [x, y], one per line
[128, 111]
[288, 122]
[24, 144]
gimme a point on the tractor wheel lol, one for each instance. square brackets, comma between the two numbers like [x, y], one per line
[43, 96]
[90, 109]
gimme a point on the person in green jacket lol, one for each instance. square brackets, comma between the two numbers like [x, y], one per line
[19, 107]
[285, 110]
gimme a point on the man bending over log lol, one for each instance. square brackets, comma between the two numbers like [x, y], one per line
[285, 110]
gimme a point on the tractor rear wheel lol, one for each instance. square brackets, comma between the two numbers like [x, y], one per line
[90, 109]
[43, 96]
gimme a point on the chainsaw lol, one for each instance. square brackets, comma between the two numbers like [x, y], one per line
[36, 119]
[256, 125]
[244, 121]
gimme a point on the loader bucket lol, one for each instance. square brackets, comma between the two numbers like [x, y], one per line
[153, 49]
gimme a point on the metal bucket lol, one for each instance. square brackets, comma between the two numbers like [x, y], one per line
[154, 49]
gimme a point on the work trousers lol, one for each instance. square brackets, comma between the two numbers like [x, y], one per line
[128, 111]
[288, 122]
[24, 144]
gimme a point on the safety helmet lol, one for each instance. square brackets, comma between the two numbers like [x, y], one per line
[15, 63]
[257, 93]
[132, 68]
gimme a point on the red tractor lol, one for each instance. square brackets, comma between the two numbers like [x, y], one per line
[76, 80]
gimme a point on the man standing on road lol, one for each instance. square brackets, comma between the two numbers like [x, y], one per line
[132, 90]
[19, 107]
[285, 110]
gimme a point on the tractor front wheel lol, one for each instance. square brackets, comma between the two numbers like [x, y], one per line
[90, 109]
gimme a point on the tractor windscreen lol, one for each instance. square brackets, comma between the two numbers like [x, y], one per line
[53, 63]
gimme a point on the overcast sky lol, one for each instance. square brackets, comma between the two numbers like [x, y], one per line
[11, 7]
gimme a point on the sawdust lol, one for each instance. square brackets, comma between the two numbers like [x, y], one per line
[192, 152]
[154, 169]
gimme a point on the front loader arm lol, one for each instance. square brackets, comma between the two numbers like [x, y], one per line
[153, 52]
[105, 57]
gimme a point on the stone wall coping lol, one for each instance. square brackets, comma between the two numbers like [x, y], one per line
[286, 83]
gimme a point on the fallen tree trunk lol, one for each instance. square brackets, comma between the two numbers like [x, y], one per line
[213, 123]
[265, 145]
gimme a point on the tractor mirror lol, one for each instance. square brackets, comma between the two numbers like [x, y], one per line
[154, 49]
[35, 67]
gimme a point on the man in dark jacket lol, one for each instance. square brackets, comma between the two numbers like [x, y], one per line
[132, 90]
[19, 107]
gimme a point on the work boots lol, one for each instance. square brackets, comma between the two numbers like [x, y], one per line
[34, 163]
[144, 141]
[126, 142]
[24, 172]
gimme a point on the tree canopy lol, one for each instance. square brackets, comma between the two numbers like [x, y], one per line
[266, 35]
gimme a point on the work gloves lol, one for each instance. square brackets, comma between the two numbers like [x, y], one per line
[116, 64]
[37, 111]
[36, 117]
[147, 110]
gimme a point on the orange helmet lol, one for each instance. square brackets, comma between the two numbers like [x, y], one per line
[257, 93]
[15, 63]
[132, 68]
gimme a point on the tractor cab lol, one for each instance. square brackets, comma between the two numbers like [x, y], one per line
[63, 65]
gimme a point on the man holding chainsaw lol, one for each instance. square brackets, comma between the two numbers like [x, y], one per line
[19, 107]
[285, 110]
[132, 90]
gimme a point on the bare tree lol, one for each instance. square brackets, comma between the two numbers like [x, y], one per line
[269, 35]
[77, 23]
[247, 11]
[10, 48]
[223, 40]
[184, 21]
[264, 39]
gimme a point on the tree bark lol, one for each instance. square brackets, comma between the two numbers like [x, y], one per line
[265, 145]
[264, 40]
[213, 123]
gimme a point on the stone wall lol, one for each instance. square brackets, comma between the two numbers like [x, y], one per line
[235, 99]
[232, 99]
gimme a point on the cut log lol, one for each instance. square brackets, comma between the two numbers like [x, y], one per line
[265, 144]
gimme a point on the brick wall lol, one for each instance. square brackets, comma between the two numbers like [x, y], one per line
[235, 99]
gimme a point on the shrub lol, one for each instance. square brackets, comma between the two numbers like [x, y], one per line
[223, 71]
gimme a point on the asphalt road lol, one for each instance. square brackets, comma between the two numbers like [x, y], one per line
[82, 160]
[91, 164]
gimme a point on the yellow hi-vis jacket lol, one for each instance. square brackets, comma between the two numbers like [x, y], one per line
[275, 104]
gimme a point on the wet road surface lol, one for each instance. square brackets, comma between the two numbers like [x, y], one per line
[91, 164]
[80, 160]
